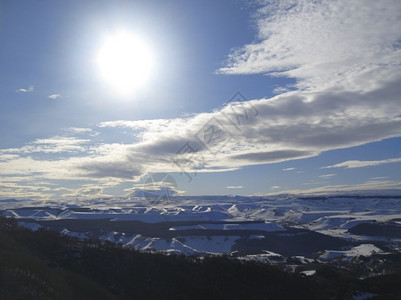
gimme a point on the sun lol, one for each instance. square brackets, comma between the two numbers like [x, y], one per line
[125, 62]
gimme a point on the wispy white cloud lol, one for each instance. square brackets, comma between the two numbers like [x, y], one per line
[54, 96]
[17, 188]
[327, 176]
[289, 169]
[57, 144]
[78, 130]
[7, 156]
[351, 164]
[324, 44]
[234, 187]
[163, 186]
[280, 90]
[28, 90]
[87, 191]
[371, 185]
[148, 129]
[380, 178]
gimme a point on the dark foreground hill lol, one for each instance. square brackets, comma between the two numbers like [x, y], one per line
[47, 265]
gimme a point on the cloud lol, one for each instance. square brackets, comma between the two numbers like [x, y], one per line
[271, 156]
[57, 144]
[289, 169]
[28, 90]
[17, 188]
[77, 130]
[288, 126]
[371, 185]
[351, 164]
[327, 176]
[54, 96]
[324, 44]
[280, 90]
[103, 168]
[379, 178]
[147, 129]
[88, 191]
[157, 186]
[7, 156]
[308, 122]
[234, 187]
[275, 187]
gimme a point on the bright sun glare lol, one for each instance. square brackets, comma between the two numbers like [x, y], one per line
[125, 62]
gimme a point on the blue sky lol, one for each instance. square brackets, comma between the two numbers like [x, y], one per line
[243, 97]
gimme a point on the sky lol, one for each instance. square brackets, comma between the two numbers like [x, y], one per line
[229, 97]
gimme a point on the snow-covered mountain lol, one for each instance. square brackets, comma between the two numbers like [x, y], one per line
[323, 227]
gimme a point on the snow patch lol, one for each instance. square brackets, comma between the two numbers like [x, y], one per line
[309, 272]
[361, 250]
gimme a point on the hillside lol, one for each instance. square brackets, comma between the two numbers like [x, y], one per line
[48, 265]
